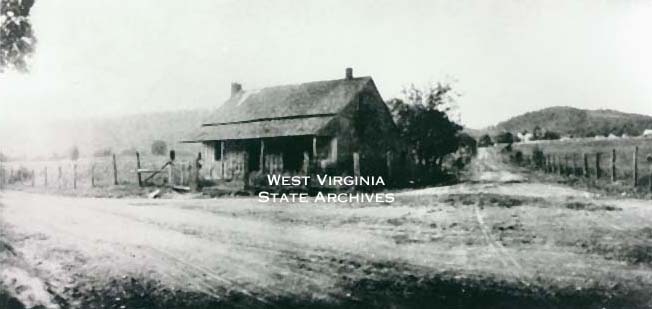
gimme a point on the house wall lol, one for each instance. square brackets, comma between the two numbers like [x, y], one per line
[365, 126]
[231, 166]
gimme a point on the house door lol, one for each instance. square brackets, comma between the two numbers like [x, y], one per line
[253, 156]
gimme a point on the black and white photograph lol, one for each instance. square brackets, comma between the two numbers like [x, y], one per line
[325, 154]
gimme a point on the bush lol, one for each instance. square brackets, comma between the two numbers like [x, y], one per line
[21, 175]
[538, 158]
[485, 141]
[159, 148]
[518, 157]
[505, 138]
[550, 135]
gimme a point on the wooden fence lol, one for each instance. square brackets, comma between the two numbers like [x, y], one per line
[98, 172]
[610, 166]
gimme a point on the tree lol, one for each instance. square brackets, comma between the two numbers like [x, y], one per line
[159, 148]
[74, 153]
[505, 138]
[550, 135]
[16, 37]
[485, 141]
[537, 133]
[423, 123]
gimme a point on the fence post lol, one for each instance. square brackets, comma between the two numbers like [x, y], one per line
[171, 165]
[140, 180]
[74, 176]
[33, 177]
[560, 166]
[356, 164]
[93, 175]
[59, 178]
[585, 170]
[115, 171]
[45, 176]
[574, 164]
[613, 165]
[598, 171]
[182, 170]
[635, 163]
[198, 168]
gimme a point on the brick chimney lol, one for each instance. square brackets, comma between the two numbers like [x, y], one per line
[235, 88]
[349, 73]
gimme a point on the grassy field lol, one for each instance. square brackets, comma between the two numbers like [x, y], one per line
[575, 149]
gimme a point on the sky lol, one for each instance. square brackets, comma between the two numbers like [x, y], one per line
[99, 58]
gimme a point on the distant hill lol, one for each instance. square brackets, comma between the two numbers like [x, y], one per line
[576, 122]
[119, 134]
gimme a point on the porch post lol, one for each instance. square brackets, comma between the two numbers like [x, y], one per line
[306, 163]
[356, 164]
[222, 158]
[261, 162]
[314, 147]
[388, 156]
[334, 149]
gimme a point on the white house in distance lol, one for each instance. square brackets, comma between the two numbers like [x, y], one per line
[647, 133]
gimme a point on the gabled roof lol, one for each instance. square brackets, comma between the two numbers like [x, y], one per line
[288, 110]
[314, 98]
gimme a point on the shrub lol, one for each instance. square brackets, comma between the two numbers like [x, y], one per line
[538, 158]
[485, 141]
[505, 138]
[550, 135]
[159, 148]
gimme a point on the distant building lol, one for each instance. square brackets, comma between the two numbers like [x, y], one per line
[525, 137]
[294, 128]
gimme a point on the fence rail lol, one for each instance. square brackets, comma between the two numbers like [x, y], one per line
[617, 165]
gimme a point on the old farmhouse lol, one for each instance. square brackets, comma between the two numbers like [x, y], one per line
[339, 127]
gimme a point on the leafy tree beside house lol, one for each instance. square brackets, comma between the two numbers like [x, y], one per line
[423, 121]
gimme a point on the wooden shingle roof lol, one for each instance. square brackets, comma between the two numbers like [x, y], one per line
[288, 110]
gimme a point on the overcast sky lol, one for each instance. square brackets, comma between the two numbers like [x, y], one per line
[97, 57]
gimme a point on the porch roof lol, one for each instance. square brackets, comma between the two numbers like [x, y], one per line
[309, 125]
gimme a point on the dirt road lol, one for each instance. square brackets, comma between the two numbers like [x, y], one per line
[497, 240]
